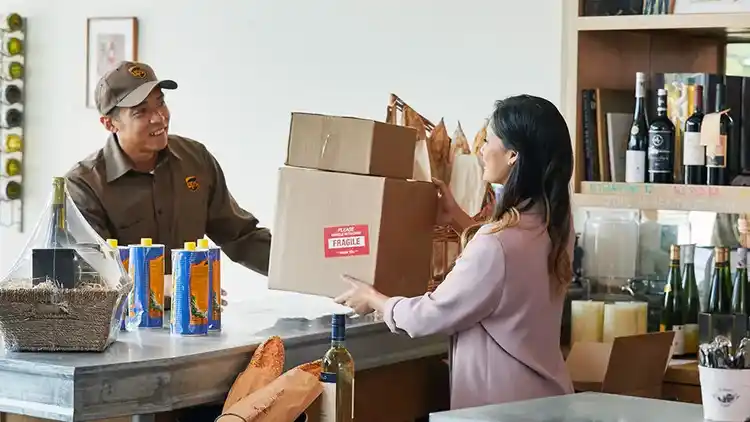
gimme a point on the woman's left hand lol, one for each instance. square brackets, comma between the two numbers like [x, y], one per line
[362, 297]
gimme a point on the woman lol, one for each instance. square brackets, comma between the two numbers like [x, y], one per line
[503, 301]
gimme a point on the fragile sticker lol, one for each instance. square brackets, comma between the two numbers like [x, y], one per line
[342, 241]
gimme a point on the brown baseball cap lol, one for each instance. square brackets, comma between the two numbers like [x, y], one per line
[127, 85]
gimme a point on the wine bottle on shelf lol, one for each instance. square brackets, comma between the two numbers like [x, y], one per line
[13, 118]
[720, 296]
[635, 156]
[691, 300]
[12, 94]
[717, 172]
[693, 153]
[12, 167]
[11, 190]
[337, 376]
[740, 292]
[13, 143]
[661, 136]
[672, 313]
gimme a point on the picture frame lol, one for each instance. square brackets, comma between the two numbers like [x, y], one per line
[109, 40]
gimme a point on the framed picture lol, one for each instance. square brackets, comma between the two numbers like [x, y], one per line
[108, 42]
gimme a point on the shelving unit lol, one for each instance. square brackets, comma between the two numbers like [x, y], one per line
[606, 52]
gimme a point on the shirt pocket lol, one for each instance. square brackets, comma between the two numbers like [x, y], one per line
[134, 222]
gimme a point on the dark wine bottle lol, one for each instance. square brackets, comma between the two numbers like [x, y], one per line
[673, 310]
[12, 94]
[720, 299]
[740, 291]
[716, 156]
[661, 135]
[635, 156]
[693, 153]
[13, 118]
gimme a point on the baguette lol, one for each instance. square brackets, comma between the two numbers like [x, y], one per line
[266, 365]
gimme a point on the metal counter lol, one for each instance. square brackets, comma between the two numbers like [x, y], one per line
[150, 371]
[582, 407]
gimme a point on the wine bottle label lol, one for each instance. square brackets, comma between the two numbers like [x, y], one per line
[716, 154]
[693, 153]
[690, 334]
[660, 144]
[635, 166]
[678, 344]
[328, 397]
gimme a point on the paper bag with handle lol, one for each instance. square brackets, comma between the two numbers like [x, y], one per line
[412, 119]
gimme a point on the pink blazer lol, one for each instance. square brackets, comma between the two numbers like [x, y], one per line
[503, 321]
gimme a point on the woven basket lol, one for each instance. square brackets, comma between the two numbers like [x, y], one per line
[446, 242]
[59, 320]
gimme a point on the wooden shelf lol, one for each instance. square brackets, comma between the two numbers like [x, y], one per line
[646, 196]
[717, 23]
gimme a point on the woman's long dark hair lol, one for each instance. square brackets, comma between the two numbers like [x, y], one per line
[535, 129]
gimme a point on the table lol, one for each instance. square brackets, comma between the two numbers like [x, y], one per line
[149, 371]
[582, 407]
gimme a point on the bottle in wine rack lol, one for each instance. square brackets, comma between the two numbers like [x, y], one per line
[12, 94]
[14, 22]
[15, 70]
[14, 46]
[693, 152]
[13, 118]
[12, 167]
[635, 156]
[11, 190]
[13, 143]
[661, 136]
[716, 156]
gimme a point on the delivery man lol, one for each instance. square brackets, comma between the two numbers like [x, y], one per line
[145, 182]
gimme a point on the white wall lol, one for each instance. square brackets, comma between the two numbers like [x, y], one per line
[243, 66]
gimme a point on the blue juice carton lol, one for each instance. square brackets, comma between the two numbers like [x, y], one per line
[214, 283]
[146, 267]
[190, 291]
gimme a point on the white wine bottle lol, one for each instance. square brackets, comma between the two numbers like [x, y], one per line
[337, 377]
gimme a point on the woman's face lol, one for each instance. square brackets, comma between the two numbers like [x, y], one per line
[497, 159]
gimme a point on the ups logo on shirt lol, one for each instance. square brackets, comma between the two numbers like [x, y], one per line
[192, 183]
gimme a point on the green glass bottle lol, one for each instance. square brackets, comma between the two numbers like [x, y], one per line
[691, 299]
[14, 46]
[12, 190]
[740, 289]
[720, 299]
[337, 376]
[15, 70]
[14, 22]
[672, 312]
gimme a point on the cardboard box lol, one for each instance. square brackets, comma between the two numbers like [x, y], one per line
[630, 365]
[373, 228]
[351, 145]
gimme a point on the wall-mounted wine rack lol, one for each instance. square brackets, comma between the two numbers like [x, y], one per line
[12, 119]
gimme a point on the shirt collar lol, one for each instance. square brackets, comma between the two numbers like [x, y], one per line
[118, 163]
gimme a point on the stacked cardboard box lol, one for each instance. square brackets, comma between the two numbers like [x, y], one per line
[347, 204]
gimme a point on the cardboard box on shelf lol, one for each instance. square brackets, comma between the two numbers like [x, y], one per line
[373, 228]
[351, 145]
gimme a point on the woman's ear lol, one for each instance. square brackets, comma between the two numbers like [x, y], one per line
[512, 158]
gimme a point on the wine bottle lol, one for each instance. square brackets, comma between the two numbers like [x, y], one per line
[12, 94]
[15, 70]
[14, 22]
[13, 118]
[691, 300]
[11, 190]
[740, 288]
[12, 167]
[14, 46]
[661, 135]
[720, 299]
[57, 232]
[635, 156]
[693, 153]
[13, 143]
[672, 313]
[337, 376]
[716, 156]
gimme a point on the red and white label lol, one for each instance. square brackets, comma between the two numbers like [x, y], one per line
[346, 240]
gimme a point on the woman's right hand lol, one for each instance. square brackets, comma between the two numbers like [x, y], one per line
[447, 205]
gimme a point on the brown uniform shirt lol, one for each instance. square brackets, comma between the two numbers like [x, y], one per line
[183, 199]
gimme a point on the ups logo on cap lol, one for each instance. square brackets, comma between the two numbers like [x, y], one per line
[192, 183]
[137, 72]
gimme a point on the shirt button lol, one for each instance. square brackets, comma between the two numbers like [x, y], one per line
[158, 211]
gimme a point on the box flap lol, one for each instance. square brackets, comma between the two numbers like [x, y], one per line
[587, 361]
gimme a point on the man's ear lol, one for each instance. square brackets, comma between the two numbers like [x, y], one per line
[106, 121]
